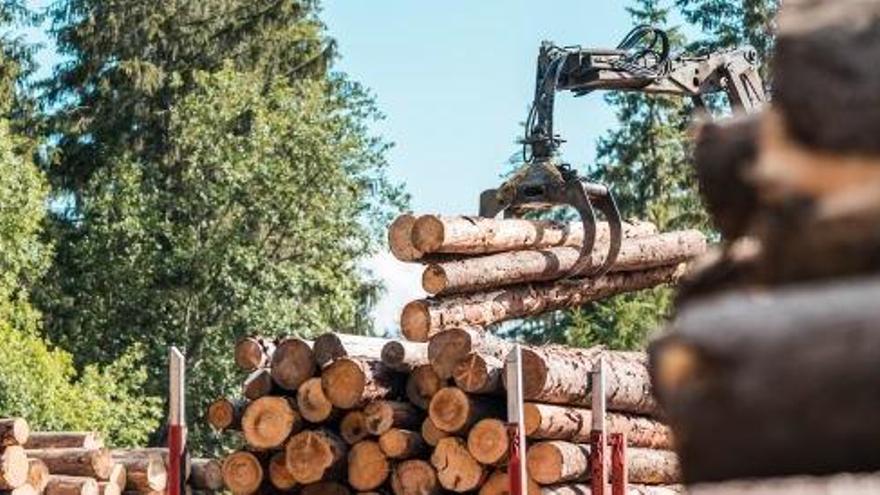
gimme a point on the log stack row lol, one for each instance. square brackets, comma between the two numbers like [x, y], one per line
[77, 463]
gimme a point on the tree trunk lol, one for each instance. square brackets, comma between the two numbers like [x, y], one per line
[584, 489]
[560, 375]
[423, 318]
[421, 385]
[479, 374]
[267, 422]
[414, 477]
[225, 414]
[331, 346]
[259, 384]
[64, 439]
[554, 461]
[13, 431]
[381, 416]
[402, 444]
[313, 403]
[457, 470]
[477, 235]
[353, 427]
[207, 474]
[315, 455]
[448, 348]
[804, 348]
[518, 267]
[368, 468]
[549, 422]
[71, 485]
[326, 488]
[143, 473]
[499, 484]
[353, 382]
[38, 475]
[253, 353]
[107, 488]
[13, 467]
[404, 356]
[242, 473]
[454, 411]
[160, 452]
[293, 362]
[279, 476]
[488, 441]
[431, 433]
[92, 463]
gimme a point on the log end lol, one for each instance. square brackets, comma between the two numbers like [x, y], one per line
[414, 477]
[534, 369]
[326, 488]
[13, 467]
[531, 418]
[379, 417]
[498, 483]
[102, 463]
[450, 409]
[415, 321]
[422, 384]
[279, 476]
[313, 405]
[242, 473]
[434, 279]
[249, 354]
[472, 374]
[343, 383]
[428, 233]
[311, 455]
[545, 463]
[488, 441]
[353, 428]
[268, 421]
[393, 354]
[431, 433]
[38, 475]
[368, 467]
[400, 238]
[16, 431]
[456, 469]
[293, 362]
[221, 414]
[327, 347]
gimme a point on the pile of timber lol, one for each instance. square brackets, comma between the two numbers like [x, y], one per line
[77, 463]
[483, 271]
[345, 414]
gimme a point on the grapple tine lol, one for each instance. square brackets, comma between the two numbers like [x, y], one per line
[576, 196]
[608, 206]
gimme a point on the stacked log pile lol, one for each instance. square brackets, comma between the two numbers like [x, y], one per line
[77, 463]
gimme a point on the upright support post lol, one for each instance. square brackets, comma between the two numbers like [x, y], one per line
[598, 442]
[176, 423]
[516, 468]
[619, 470]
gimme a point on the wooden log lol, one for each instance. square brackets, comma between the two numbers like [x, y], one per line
[118, 476]
[38, 475]
[259, 384]
[552, 422]
[151, 452]
[325, 488]
[279, 475]
[71, 485]
[653, 467]
[381, 416]
[353, 427]
[421, 384]
[107, 488]
[13, 467]
[560, 375]
[457, 470]
[479, 374]
[352, 382]
[268, 421]
[423, 318]
[454, 411]
[498, 483]
[253, 353]
[242, 473]
[448, 348]
[431, 433]
[312, 403]
[400, 239]
[13, 431]
[477, 235]
[225, 414]
[414, 477]
[488, 442]
[293, 362]
[368, 467]
[331, 346]
[25, 489]
[634, 489]
[143, 473]
[712, 370]
[553, 462]
[315, 455]
[402, 356]
[207, 474]
[92, 463]
[64, 439]
[397, 443]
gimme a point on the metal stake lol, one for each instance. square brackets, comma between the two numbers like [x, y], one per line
[515, 422]
[176, 422]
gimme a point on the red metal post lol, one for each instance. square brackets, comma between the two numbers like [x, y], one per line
[619, 472]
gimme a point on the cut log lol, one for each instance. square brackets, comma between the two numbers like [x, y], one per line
[267, 422]
[560, 375]
[225, 414]
[353, 427]
[259, 384]
[253, 353]
[38, 475]
[368, 468]
[488, 442]
[381, 416]
[331, 346]
[712, 370]
[457, 470]
[325, 488]
[421, 384]
[402, 444]
[479, 374]
[64, 439]
[498, 483]
[207, 474]
[242, 473]
[551, 422]
[431, 433]
[634, 489]
[352, 382]
[312, 403]
[107, 488]
[653, 467]
[25, 489]
[316, 455]
[425, 317]
[13, 467]
[518, 267]
[414, 477]
[477, 235]
[400, 239]
[279, 475]
[150, 452]
[13, 431]
[92, 463]
[400, 355]
[118, 476]
[71, 485]
[143, 473]
[454, 411]
[553, 462]
[448, 348]
[293, 362]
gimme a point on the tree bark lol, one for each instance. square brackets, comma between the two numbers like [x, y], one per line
[260, 384]
[479, 374]
[38, 475]
[488, 441]
[477, 235]
[107, 488]
[353, 382]
[398, 444]
[225, 414]
[13, 431]
[13, 467]
[279, 475]
[449, 347]
[653, 467]
[634, 489]
[64, 439]
[560, 375]
[554, 462]
[207, 474]
[368, 468]
[431, 433]
[326, 488]
[499, 484]
[253, 353]
[331, 346]
[381, 416]
[267, 422]
[313, 403]
[414, 477]
[550, 422]
[421, 385]
[457, 470]
[143, 473]
[71, 485]
[92, 463]
[293, 362]
[404, 356]
[454, 411]
[804, 348]
[353, 427]
[423, 318]
[242, 473]
[518, 267]
[315, 455]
